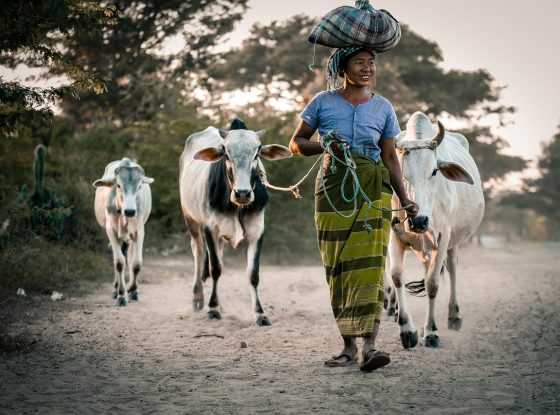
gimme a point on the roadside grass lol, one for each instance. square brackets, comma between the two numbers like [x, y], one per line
[42, 266]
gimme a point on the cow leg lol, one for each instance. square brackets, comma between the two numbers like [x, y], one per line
[430, 337]
[409, 334]
[205, 266]
[214, 249]
[124, 251]
[253, 266]
[119, 262]
[135, 262]
[390, 297]
[197, 248]
[454, 321]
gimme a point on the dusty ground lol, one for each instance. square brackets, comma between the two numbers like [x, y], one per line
[85, 356]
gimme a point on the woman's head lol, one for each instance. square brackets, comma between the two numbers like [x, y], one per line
[356, 65]
[359, 68]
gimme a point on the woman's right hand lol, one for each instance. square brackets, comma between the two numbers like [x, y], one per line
[410, 207]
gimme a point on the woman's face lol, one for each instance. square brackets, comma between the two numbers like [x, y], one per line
[360, 70]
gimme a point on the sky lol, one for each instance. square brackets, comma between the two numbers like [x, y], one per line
[517, 45]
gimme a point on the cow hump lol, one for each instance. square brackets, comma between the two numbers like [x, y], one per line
[237, 124]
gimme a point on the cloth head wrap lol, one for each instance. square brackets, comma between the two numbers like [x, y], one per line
[337, 60]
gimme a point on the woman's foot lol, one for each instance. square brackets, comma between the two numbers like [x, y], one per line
[374, 359]
[346, 358]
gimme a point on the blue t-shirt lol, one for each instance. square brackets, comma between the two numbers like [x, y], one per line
[362, 126]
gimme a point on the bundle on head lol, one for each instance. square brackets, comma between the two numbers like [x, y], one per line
[360, 26]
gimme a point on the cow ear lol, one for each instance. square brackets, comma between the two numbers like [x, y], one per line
[210, 154]
[147, 180]
[454, 172]
[104, 183]
[261, 134]
[223, 132]
[274, 152]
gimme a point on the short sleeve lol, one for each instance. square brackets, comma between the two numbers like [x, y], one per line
[310, 114]
[392, 128]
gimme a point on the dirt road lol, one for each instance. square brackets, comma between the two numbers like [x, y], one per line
[154, 356]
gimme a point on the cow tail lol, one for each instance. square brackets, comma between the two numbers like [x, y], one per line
[418, 288]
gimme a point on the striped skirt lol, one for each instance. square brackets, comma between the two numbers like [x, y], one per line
[353, 249]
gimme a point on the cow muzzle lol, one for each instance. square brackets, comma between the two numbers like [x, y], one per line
[130, 213]
[419, 224]
[242, 197]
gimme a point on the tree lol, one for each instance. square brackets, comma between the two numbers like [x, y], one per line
[273, 62]
[487, 150]
[31, 34]
[542, 194]
[141, 79]
[275, 58]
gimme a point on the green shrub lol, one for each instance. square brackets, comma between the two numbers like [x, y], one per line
[41, 266]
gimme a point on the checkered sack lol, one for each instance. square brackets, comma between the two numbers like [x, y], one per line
[357, 26]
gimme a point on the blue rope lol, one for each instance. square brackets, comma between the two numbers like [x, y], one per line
[327, 142]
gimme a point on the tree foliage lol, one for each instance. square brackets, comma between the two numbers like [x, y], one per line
[32, 33]
[542, 194]
[142, 79]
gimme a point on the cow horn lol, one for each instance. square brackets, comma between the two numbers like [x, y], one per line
[439, 137]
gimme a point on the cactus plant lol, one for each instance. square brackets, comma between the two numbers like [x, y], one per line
[40, 195]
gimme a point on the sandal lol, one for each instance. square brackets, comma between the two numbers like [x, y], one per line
[342, 360]
[374, 359]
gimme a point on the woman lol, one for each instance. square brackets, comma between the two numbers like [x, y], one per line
[353, 242]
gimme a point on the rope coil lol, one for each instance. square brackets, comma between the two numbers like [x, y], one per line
[327, 142]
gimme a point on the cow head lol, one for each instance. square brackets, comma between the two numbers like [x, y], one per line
[241, 150]
[128, 179]
[423, 169]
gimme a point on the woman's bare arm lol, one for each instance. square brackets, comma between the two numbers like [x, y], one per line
[301, 141]
[391, 161]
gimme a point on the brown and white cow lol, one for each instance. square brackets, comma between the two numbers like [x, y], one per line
[443, 179]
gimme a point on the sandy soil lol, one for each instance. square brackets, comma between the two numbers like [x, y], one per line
[85, 356]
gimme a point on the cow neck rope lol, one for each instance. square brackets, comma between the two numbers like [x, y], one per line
[293, 188]
[327, 142]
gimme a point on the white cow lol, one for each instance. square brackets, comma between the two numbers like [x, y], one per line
[223, 200]
[444, 181]
[123, 202]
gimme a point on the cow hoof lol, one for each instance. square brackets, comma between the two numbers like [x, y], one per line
[409, 339]
[431, 340]
[133, 295]
[263, 321]
[198, 304]
[121, 301]
[115, 295]
[455, 323]
[214, 315]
